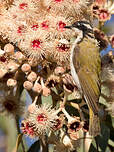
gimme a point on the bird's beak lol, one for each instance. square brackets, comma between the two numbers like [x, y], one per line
[69, 27]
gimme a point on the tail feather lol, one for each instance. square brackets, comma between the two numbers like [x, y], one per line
[94, 124]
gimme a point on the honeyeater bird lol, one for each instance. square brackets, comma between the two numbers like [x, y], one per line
[85, 66]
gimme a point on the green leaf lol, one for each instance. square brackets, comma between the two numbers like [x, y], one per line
[35, 147]
[47, 100]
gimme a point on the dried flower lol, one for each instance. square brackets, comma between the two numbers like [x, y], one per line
[59, 122]
[112, 41]
[104, 15]
[103, 10]
[101, 38]
[110, 108]
[95, 9]
[85, 126]
[68, 83]
[52, 81]
[12, 105]
[74, 125]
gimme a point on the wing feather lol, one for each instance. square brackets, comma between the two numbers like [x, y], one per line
[87, 65]
[89, 92]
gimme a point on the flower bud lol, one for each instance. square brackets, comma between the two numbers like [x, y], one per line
[32, 76]
[9, 48]
[46, 91]
[11, 82]
[12, 66]
[2, 72]
[28, 85]
[59, 70]
[37, 88]
[26, 68]
[31, 108]
[19, 56]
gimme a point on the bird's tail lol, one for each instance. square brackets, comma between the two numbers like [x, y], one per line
[94, 124]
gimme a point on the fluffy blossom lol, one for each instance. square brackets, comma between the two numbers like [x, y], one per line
[10, 104]
[43, 118]
[59, 51]
[34, 44]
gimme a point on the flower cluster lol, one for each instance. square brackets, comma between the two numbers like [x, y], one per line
[35, 58]
[40, 120]
[103, 9]
[39, 34]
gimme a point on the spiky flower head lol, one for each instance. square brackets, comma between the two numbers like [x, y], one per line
[23, 8]
[11, 105]
[59, 22]
[59, 51]
[43, 118]
[34, 44]
[66, 6]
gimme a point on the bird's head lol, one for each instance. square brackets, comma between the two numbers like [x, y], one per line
[82, 26]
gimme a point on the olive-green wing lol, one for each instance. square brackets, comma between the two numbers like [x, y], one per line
[87, 64]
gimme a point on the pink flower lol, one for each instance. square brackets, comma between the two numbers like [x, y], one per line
[60, 26]
[28, 128]
[45, 25]
[104, 15]
[41, 119]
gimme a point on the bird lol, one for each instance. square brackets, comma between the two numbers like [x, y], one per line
[85, 64]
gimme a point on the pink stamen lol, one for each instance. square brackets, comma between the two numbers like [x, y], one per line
[36, 44]
[23, 5]
[35, 27]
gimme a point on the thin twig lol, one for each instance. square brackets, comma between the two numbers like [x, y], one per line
[18, 131]
[44, 144]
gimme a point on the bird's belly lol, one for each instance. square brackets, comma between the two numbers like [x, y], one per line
[75, 77]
